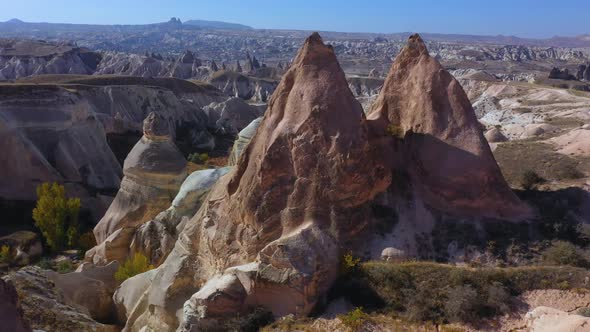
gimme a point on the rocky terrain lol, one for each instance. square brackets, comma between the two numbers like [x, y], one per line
[255, 173]
[49, 127]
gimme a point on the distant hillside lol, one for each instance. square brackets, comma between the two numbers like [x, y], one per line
[218, 25]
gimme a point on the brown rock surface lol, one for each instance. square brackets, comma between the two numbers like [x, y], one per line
[297, 197]
[442, 146]
[303, 192]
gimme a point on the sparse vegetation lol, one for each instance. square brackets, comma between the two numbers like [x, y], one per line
[45, 264]
[462, 304]
[395, 131]
[56, 216]
[584, 312]
[530, 180]
[564, 253]
[440, 293]
[198, 158]
[132, 267]
[355, 319]
[349, 263]
[65, 266]
[5, 256]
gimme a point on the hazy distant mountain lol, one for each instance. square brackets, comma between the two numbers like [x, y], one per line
[171, 36]
[217, 25]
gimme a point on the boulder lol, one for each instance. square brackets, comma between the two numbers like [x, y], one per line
[230, 116]
[92, 294]
[545, 319]
[24, 246]
[393, 255]
[538, 129]
[495, 135]
[11, 314]
[244, 138]
[45, 306]
[194, 188]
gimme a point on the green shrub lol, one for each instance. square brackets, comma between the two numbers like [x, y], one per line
[462, 304]
[65, 266]
[439, 293]
[132, 267]
[5, 256]
[349, 263]
[564, 253]
[530, 180]
[56, 216]
[355, 319]
[198, 158]
[584, 312]
[498, 298]
[45, 264]
[395, 131]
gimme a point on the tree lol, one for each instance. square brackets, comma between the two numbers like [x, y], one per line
[56, 216]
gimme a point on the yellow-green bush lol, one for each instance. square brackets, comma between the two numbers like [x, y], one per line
[349, 263]
[395, 131]
[354, 319]
[132, 267]
[5, 256]
[198, 158]
[56, 216]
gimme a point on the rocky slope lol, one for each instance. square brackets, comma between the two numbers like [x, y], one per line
[282, 202]
[47, 129]
[22, 58]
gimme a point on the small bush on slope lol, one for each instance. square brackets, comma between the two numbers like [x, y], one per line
[354, 319]
[420, 290]
[5, 256]
[564, 253]
[132, 267]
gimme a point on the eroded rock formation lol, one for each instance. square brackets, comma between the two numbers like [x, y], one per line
[154, 171]
[313, 183]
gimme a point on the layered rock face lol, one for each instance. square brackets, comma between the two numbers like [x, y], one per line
[244, 87]
[46, 131]
[313, 182]
[22, 58]
[440, 144]
[154, 171]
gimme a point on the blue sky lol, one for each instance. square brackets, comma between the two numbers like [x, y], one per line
[526, 18]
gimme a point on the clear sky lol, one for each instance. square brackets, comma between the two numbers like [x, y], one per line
[526, 18]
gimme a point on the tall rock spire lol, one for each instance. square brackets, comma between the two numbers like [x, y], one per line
[443, 147]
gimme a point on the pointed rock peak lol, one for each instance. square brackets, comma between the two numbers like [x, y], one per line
[414, 48]
[451, 163]
[157, 127]
[315, 52]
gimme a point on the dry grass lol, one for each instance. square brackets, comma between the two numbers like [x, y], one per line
[517, 157]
